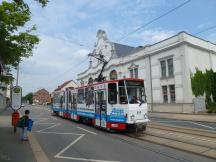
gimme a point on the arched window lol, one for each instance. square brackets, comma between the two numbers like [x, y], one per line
[113, 75]
[90, 81]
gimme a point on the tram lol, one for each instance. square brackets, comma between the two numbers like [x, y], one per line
[112, 105]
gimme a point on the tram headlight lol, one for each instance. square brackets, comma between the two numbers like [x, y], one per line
[132, 117]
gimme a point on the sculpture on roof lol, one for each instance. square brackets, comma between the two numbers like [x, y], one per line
[101, 34]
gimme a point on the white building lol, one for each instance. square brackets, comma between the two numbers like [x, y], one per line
[166, 67]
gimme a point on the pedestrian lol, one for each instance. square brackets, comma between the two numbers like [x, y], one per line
[24, 126]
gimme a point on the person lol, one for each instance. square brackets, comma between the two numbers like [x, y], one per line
[24, 127]
[133, 100]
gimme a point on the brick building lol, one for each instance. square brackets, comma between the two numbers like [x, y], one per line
[42, 96]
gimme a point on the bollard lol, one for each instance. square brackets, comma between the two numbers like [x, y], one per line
[14, 119]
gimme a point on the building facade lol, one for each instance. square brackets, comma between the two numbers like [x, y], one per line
[166, 68]
[66, 84]
[42, 96]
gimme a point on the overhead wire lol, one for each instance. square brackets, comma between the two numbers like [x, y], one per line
[207, 29]
[155, 19]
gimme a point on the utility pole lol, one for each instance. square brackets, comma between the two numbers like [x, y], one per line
[17, 79]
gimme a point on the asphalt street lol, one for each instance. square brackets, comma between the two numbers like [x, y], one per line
[64, 140]
[185, 123]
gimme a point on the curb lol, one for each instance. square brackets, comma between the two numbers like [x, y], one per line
[39, 154]
[182, 118]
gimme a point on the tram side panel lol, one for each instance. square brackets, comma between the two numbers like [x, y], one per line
[57, 103]
[85, 103]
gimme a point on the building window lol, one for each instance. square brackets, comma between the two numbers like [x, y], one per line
[134, 73]
[167, 69]
[165, 95]
[131, 73]
[113, 75]
[90, 81]
[82, 83]
[163, 68]
[172, 93]
[170, 67]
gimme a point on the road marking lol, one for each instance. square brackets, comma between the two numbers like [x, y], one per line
[41, 120]
[53, 118]
[43, 123]
[203, 125]
[82, 159]
[87, 130]
[49, 127]
[61, 133]
[37, 150]
[72, 143]
[58, 155]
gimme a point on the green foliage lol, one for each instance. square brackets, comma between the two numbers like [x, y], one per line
[209, 82]
[6, 79]
[15, 44]
[29, 97]
[198, 83]
[211, 107]
[205, 83]
[214, 87]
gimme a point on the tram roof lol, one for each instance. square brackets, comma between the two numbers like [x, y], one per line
[111, 81]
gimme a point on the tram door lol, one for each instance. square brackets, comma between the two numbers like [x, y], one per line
[66, 103]
[100, 108]
[74, 106]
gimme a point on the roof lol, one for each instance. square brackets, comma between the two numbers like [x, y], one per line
[63, 85]
[43, 89]
[123, 50]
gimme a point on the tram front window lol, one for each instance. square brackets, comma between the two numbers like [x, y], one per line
[135, 91]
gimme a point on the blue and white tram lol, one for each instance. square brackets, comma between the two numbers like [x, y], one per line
[115, 104]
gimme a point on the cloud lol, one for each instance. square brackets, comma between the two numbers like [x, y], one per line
[54, 61]
[152, 36]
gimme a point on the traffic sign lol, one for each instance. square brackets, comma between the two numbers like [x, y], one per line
[16, 97]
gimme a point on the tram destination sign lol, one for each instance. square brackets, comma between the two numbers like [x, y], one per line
[16, 97]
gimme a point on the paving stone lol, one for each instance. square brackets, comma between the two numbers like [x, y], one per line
[187, 147]
[210, 153]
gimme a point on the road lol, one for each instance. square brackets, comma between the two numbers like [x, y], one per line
[185, 123]
[66, 141]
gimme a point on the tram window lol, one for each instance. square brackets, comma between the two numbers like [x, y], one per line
[61, 101]
[89, 95]
[135, 91]
[81, 97]
[112, 93]
[122, 95]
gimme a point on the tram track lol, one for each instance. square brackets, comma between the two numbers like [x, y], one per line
[196, 141]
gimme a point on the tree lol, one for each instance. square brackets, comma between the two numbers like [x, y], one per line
[16, 41]
[29, 97]
[214, 87]
[209, 77]
[198, 83]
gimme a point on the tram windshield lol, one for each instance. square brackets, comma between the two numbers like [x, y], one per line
[135, 91]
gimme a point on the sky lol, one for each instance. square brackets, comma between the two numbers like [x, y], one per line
[67, 31]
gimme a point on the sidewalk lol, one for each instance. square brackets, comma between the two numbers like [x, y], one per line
[11, 148]
[191, 117]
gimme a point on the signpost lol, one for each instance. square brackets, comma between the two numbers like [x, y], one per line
[16, 98]
[16, 103]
